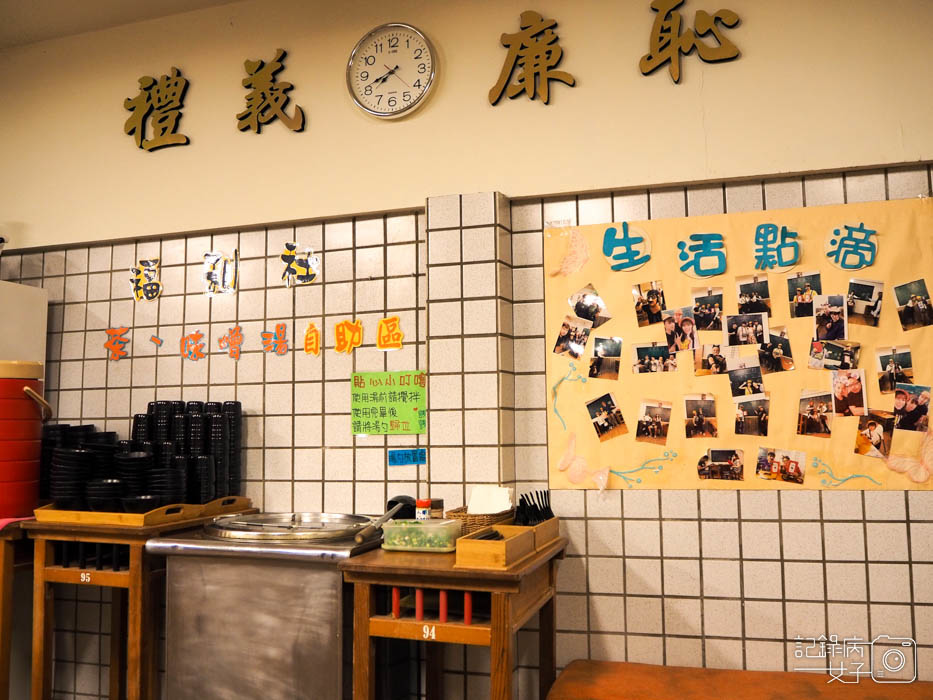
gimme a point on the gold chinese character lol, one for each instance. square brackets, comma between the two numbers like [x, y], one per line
[668, 42]
[267, 98]
[534, 51]
[160, 102]
[389, 334]
[348, 335]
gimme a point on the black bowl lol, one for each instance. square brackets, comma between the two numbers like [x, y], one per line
[141, 504]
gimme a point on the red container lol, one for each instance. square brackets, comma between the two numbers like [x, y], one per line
[20, 450]
[20, 437]
[18, 499]
[18, 471]
[13, 388]
[20, 429]
[20, 409]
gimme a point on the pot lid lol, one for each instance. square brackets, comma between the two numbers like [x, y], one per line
[286, 527]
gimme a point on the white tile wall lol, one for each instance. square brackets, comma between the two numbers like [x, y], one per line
[690, 578]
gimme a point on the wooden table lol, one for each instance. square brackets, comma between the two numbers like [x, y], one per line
[516, 594]
[135, 601]
[8, 538]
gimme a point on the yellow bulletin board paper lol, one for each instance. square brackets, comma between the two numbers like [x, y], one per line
[578, 459]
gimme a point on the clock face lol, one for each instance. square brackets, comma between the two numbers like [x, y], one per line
[391, 70]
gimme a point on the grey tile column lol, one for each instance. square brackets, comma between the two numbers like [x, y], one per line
[471, 397]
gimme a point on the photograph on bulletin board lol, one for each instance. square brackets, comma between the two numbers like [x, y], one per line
[788, 345]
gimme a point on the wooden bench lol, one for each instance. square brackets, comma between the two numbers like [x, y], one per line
[605, 680]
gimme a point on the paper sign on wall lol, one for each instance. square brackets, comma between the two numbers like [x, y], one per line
[388, 403]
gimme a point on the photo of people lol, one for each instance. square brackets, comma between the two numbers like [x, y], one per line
[863, 302]
[680, 329]
[745, 379]
[653, 357]
[815, 415]
[607, 357]
[713, 359]
[801, 288]
[875, 429]
[745, 329]
[783, 465]
[829, 317]
[707, 308]
[775, 355]
[752, 416]
[849, 392]
[754, 296]
[913, 305]
[894, 366]
[572, 337]
[653, 421]
[606, 418]
[588, 305]
[700, 413]
[836, 354]
[911, 407]
[649, 302]
[722, 464]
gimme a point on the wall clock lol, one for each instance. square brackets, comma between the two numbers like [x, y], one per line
[391, 70]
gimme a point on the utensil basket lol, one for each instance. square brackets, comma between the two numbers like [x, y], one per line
[471, 522]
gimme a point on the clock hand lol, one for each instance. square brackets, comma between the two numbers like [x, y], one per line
[392, 71]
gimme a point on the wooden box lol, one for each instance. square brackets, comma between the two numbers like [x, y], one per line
[546, 532]
[501, 554]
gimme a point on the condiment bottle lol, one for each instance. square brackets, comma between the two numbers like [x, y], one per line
[423, 509]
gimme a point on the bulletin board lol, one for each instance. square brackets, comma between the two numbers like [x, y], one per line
[599, 443]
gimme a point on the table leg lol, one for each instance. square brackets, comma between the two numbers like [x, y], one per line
[6, 615]
[138, 637]
[363, 686]
[501, 651]
[434, 670]
[43, 614]
[117, 643]
[547, 643]
[156, 595]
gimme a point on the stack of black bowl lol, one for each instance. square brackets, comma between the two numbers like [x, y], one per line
[140, 430]
[205, 488]
[220, 451]
[70, 472]
[132, 468]
[53, 435]
[233, 410]
[165, 480]
[105, 495]
[76, 435]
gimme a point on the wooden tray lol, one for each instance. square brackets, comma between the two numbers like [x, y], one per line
[502, 554]
[227, 504]
[165, 514]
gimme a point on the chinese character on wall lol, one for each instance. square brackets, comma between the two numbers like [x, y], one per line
[267, 98]
[535, 53]
[299, 269]
[669, 41]
[221, 274]
[145, 280]
[157, 109]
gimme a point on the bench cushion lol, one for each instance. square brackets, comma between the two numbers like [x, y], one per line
[604, 680]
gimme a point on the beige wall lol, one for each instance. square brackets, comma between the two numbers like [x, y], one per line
[820, 85]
